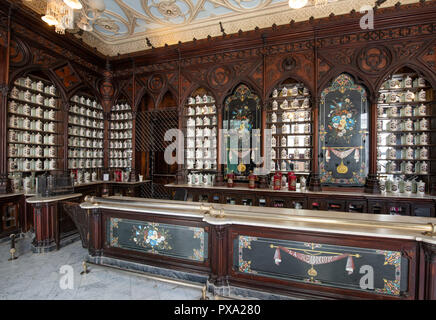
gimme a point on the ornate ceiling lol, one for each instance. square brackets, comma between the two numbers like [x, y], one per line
[125, 24]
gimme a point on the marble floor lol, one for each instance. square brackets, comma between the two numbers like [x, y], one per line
[37, 276]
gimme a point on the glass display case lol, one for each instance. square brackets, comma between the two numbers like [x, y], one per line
[405, 115]
[33, 135]
[85, 139]
[200, 125]
[289, 117]
[120, 137]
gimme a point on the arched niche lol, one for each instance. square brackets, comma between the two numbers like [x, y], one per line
[343, 133]
[242, 113]
[405, 132]
[289, 117]
[200, 123]
[120, 138]
[35, 128]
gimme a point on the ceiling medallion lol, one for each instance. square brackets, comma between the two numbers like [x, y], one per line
[108, 25]
[169, 9]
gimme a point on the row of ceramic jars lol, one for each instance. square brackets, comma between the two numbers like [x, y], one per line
[291, 92]
[201, 143]
[405, 125]
[295, 104]
[290, 141]
[125, 144]
[27, 124]
[120, 107]
[33, 98]
[121, 134]
[405, 167]
[292, 116]
[86, 101]
[406, 82]
[407, 111]
[199, 164]
[202, 153]
[85, 177]
[406, 139]
[20, 183]
[296, 154]
[119, 163]
[284, 165]
[294, 128]
[200, 111]
[199, 179]
[199, 100]
[406, 153]
[36, 85]
[26, 110]
[408, 96]
[201, 132]
[26, 151]
[84, 143]
[84, 163]
[85, 153]
[88, 122]
[31, 138]
[206, 121]
[83, 132]
[121, 125]
[402, 186]
[87, 112]
[126, 154]
[121, 116]
[31, 164]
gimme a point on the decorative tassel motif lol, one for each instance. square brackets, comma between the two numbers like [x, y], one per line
[327, 155]
[356, 155]
[349, 267]
[277, 257]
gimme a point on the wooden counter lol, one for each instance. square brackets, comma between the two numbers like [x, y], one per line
[298, 253]
[387, 203]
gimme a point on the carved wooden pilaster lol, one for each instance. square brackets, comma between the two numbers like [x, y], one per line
[219, 256]
[133, 164]
[430, 271]
[107, 93]
[95, 241]
[45, 217]
[219, 178]
[372, 183]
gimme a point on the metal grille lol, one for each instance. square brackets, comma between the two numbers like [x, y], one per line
[150, 130]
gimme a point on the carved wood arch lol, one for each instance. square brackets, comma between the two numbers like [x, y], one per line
[46, 71]
[357, 77]
[235, 84]
[416, 66]
[290, 76]
[163, 93]
[143, 92]
[84, 87]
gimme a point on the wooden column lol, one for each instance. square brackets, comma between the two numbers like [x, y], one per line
[372, 183]
[180, 175]
[314, 180]
[107, 93]
[430, 271]
[5, 186]
[95, 227]
[45, 217]
[219, 180]
[219, 256]
[134, 113]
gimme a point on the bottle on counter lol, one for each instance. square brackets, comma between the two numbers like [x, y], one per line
[252, 180]
[277, 181]
[292, 181]
[230, 180]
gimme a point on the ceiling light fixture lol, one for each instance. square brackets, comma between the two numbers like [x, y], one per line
[74, 4]
[60, 13]
[297, 4]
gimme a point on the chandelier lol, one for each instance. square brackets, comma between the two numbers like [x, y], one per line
[63, 13]
[297, 4]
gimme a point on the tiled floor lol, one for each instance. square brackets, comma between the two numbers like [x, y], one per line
[37, 276]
